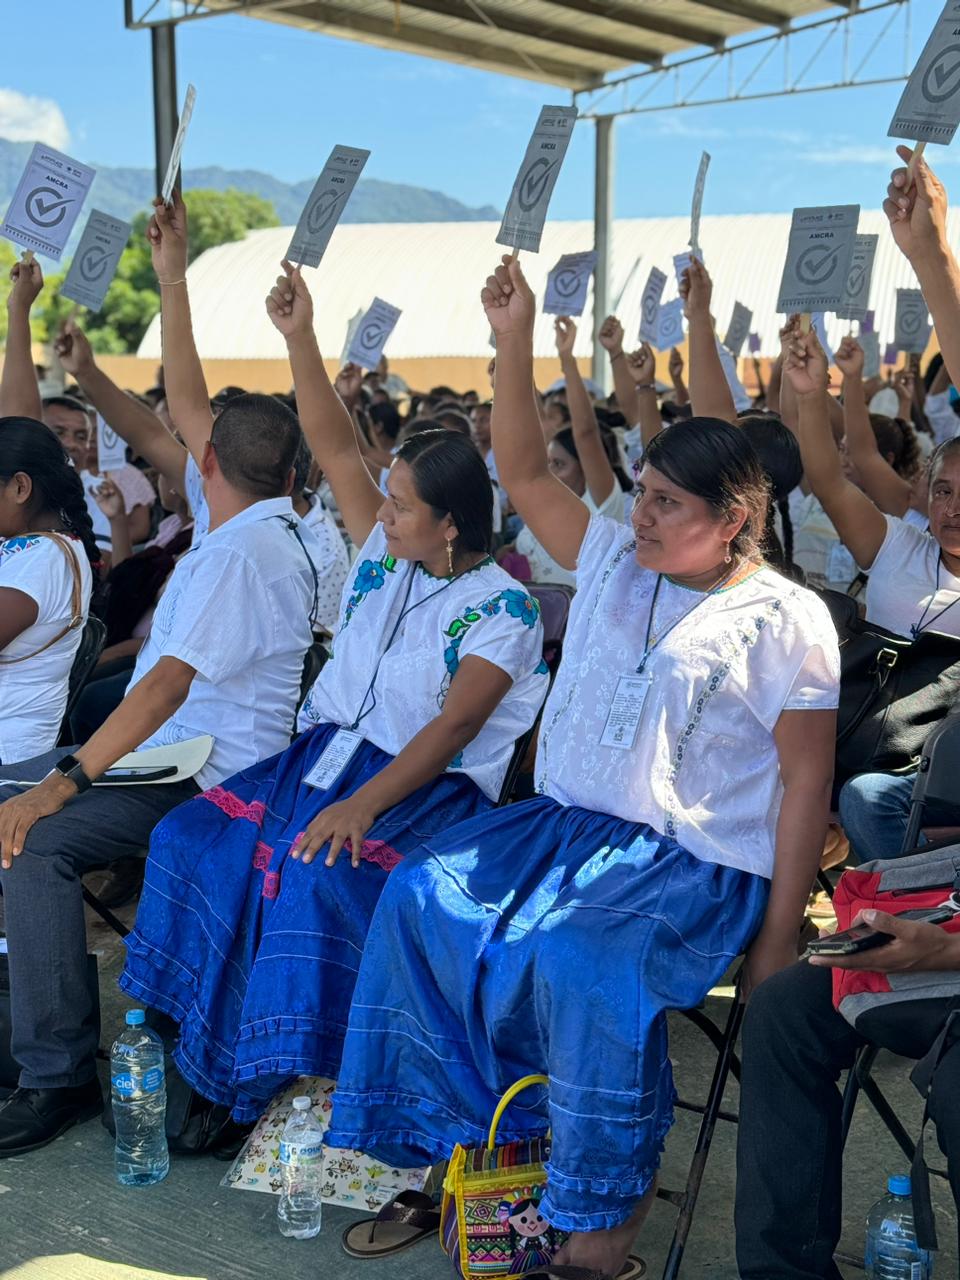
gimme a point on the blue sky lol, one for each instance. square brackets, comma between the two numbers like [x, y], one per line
[434, 124]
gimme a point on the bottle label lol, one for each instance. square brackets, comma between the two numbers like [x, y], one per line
[290, 1151]
[125, 1083]
[916, 1271]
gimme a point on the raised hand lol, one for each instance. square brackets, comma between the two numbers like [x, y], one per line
[167, 234]
[805, 364]
[904, 381]
[565, 334]
[917, 211]
[611, 336]
[675, 367]
[508, 300]
[348, 383]
[696, 290]
[289, 304]
[74, 351]
[27, 279]
[642, 364]
[849, 358]
[109, 499]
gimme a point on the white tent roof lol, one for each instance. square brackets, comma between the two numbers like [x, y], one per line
[434, 273]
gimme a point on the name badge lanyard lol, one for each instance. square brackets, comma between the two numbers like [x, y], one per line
[919, 626]
[649, 647]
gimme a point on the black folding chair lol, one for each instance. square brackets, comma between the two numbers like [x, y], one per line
[89, 650]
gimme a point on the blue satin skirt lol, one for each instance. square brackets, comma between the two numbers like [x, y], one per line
[537, 938]
[255, 953]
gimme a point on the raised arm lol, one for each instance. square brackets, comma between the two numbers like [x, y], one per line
[611, 339]
[710, 396]
[327, 425]
[917, 212]
[642, 367]
[594, 462]
[555, 515]
[675, 369]
[19, 392]
[880, 482]
[859, 524]
[131, 420]
[186, 388]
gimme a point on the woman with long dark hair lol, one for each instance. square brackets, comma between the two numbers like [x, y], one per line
[48, 561]
[436, 671]
[683, 771]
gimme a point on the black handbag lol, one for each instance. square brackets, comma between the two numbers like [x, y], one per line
[893, 692]
[193, 1124]
[9, 1068]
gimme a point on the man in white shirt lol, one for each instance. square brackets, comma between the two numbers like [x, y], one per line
[224, 657]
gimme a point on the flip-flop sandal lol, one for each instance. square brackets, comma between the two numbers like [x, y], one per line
[406, 1220]
[632, 1269]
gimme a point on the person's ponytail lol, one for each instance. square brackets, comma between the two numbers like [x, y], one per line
[67, 497]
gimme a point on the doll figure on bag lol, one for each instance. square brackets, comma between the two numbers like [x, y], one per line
[533, 1241]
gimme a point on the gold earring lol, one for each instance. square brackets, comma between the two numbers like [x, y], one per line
[450, 556]
[728, 558]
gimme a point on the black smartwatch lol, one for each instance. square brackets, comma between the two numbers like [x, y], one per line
[71, 768]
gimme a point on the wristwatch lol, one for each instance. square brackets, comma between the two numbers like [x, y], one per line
[71, 768]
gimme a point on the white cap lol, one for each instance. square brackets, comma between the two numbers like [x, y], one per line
[302, 1104]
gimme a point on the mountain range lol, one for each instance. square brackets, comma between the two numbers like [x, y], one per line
[124, 192]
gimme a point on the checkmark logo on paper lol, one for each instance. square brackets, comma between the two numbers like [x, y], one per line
[817, 264]
[942, 77]
[46, 207]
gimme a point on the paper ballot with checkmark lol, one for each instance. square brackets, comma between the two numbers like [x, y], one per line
[738, 329]
[325, 205]
[818, 258]
[911, 330]
[567, 284]
[111, 450]
[47, 201]
[870, 342]
[669, 325]
[929, 107]
[526, 211]
[372, 333]
[650, 305]
[176, 151]
[95, 261]
[857, 292]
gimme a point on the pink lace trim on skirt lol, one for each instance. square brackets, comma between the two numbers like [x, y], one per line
[234, 807]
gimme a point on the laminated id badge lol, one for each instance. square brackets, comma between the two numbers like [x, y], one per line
[337, 754]
[623, 719]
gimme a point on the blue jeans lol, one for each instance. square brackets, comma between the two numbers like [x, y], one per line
[874, 809]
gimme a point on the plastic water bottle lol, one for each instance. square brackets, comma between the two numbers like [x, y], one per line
[139, 1104]
[892, 1249]
[301, 1164]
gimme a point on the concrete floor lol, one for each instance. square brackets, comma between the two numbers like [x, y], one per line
[63, 1217]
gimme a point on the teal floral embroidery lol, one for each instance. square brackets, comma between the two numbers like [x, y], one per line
[371, 575]
[542, 669]
[517, 604]
[457, 761]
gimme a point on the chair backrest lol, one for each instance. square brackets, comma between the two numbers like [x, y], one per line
[85, 659]
[937, 774]
[554, 599]
[313, 663]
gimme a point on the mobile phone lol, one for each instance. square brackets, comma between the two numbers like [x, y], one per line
[861, 937]
[139, 773]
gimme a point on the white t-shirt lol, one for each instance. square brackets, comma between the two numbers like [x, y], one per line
[817, 548]
[916, 518]
[543, 568]
[943, 421]
[484, 613]
[236, 608]
[193, 483]
[133, 484]
[33, 694]
[907, 578]
[333, 564]
[704, 767]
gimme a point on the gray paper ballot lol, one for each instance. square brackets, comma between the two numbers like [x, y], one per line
[650, 305]
[325, 205]
[526, 211]
[856, 295]
[47, 201]
[95, 262]
[818, 258]
[567, 284]
[371, 334]
[911, 328]
[929, 107]
[738, 329]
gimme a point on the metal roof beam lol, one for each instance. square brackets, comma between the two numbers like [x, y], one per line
[689, 32]
[339, 20]
[530, 28]
[745, 9]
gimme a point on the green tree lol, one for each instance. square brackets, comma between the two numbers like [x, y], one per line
[216, 217]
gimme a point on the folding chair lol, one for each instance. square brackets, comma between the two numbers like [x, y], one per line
[92, 640]
[936, 780]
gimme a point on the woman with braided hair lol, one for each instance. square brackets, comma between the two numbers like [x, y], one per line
[48, 562]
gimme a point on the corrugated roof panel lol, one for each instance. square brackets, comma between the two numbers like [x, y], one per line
[434, 272]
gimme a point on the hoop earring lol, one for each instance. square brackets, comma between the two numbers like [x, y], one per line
[450, 556]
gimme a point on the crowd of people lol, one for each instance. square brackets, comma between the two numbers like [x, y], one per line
[326, 608]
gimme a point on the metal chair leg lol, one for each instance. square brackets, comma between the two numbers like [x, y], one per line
[105, 914]
[687, 1200]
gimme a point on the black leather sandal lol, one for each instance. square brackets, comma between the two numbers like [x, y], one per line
[406, 1220]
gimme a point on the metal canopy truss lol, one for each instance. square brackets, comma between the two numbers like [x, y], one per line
[864, 46]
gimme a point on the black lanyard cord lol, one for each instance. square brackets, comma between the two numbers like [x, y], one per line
[918, 626]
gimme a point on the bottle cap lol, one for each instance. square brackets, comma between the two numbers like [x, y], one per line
[136, 1017]
[304, 1104]
[899, 1184]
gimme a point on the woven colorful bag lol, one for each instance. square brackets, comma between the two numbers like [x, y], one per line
[490, 1221]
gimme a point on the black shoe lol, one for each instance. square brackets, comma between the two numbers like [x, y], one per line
[30, 1118]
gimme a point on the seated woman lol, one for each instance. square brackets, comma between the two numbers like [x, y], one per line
[684, 771]
[47, 554]
[436, 671]
[914, 582]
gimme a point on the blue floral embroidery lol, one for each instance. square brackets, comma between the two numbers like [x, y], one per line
[541, 669]
[451, 655]
[491, 607]
[371, 575]
[457, 761]
[519, 605]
